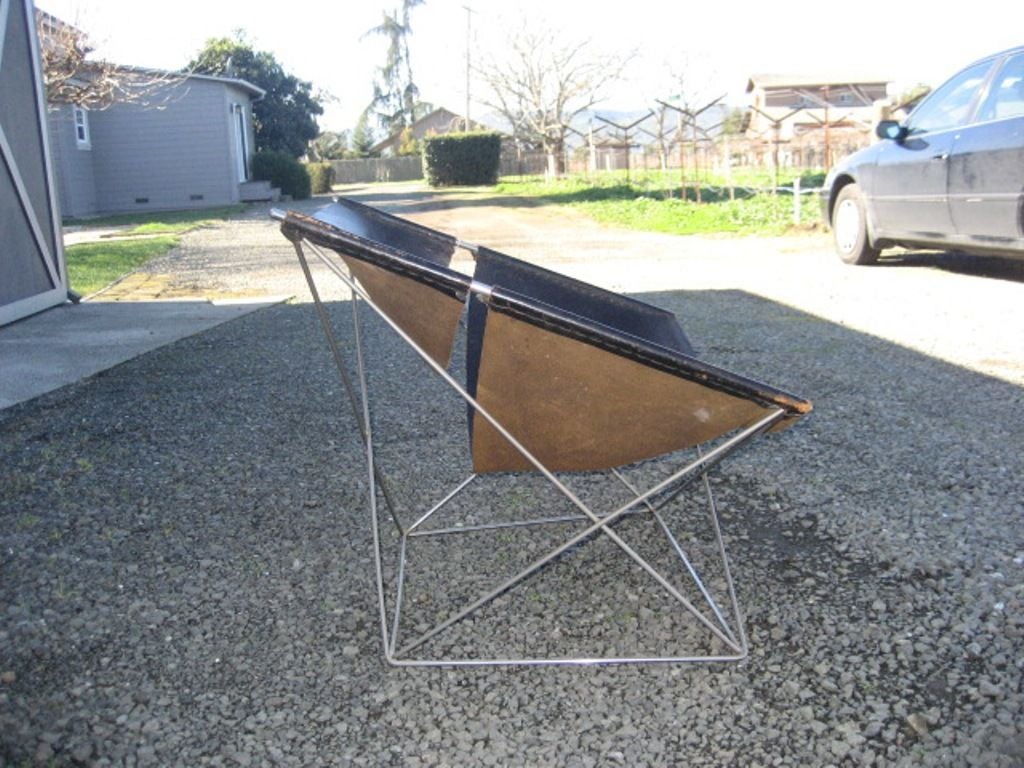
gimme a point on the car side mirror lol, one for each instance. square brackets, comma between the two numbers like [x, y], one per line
[890, 129]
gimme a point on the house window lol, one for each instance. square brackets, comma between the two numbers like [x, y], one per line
[82, 128]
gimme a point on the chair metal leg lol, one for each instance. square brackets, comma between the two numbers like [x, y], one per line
[730, 635]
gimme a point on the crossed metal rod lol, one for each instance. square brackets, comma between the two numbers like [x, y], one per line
[652, 500]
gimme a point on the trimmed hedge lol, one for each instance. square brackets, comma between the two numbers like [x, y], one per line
[321, 177]
[462, 158]
[283, 171]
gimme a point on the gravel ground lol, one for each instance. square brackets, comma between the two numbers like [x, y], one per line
[186, 574]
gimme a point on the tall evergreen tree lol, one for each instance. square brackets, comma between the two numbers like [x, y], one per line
[395, 94]
[362, 136]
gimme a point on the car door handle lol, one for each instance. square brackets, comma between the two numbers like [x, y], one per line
[943, 156]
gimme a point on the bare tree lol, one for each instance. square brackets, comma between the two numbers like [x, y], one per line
[73, 78]
[544, 84]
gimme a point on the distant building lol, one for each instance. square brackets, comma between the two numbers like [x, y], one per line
[188, 144]
[808, 102]
[144, 139]
[437, 123]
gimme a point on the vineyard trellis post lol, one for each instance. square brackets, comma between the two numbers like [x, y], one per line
[625, 129]
[689, 117]
[776, 124]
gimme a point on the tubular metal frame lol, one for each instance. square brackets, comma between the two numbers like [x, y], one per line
[724, 624]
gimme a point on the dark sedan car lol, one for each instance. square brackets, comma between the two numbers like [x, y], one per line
[951, 176]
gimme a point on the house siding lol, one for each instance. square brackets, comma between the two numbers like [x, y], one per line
[173, 153]
[76, 183]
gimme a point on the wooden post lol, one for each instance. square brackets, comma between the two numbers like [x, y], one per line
[776, 129]
[593, 148]
[696, 163]
[828, 138]
[625, 134]
[682, 156]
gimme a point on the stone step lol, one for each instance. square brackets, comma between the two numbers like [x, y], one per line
[258, 191]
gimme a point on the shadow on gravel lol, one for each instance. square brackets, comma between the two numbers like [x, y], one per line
[428, 200]
[998, 267]
[186, 570]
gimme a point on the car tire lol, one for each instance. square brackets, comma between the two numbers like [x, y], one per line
[850, 228]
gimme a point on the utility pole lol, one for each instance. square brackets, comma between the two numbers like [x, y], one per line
[469, 47]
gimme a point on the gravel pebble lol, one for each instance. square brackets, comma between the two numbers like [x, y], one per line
[186, 574]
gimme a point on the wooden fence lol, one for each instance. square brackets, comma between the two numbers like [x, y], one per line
[716, 157]
[373, 169]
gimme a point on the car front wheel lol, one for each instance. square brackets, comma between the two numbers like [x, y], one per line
[850, 228]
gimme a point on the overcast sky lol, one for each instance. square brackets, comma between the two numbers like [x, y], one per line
[722, 42]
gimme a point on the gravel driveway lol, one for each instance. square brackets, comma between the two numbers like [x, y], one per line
[185, 578]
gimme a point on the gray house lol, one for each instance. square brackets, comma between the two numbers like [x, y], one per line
[32, 271]
[186, 143]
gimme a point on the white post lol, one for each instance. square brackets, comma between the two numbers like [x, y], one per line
[796, 201]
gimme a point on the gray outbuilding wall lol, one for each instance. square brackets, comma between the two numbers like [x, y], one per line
[32, 270]
[176, 148]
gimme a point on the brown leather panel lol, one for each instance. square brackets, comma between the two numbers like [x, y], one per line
[578, 407]
[430, 317]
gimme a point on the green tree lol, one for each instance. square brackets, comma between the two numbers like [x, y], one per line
[329, 145]
[285, 119]
[910, 97]
[736, 122]
[362, 136]
[408, 145]
[395, 95]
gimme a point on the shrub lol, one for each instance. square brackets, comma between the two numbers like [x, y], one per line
[462, 158]
[321, 177]
[283, 171]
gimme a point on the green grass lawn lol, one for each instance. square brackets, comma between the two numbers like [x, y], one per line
[95, 265]
[655, 201]
[171, 222]
[92, 266]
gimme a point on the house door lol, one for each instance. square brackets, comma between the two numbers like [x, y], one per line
[241, 143]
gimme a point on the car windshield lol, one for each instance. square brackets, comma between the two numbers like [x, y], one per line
[950, 105]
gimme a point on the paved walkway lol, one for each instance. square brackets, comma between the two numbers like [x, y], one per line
[220, 273]
[147, 309]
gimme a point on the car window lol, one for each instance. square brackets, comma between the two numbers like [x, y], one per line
[950, 104]
[1007, 96]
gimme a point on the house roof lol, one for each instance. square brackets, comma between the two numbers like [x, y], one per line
[394, 138]
[245, 85]
[807, 81]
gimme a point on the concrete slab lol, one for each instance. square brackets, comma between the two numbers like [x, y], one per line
[71, 342]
